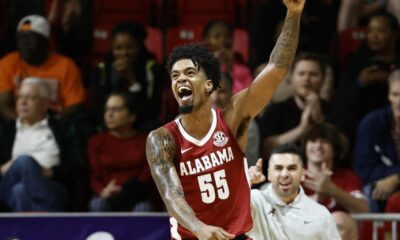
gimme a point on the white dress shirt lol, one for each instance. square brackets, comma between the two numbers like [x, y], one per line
[36, 141]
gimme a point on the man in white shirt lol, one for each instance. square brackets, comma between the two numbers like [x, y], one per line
[281, 210]
[31, 154]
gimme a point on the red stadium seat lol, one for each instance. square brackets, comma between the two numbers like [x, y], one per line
[193, 33]
[183, 35]
[202, 11]
[140, 11]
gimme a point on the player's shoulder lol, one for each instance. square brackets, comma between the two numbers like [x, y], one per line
[159, 132]
[161, 135]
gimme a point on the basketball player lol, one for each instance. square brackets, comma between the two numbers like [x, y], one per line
[197, 161]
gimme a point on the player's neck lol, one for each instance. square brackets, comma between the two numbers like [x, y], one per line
[198, 122]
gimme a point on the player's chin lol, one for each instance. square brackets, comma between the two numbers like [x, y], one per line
[185, 109]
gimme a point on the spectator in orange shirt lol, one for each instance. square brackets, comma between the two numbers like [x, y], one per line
[34, 59]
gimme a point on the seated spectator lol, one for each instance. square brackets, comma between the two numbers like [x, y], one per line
[33, 59]
[352, 12]
[285, 90]
[120, 176]
[218, 36]
[337, 188]
[285, 122]
[129, 66]
[31, 154]
[71, 21]
[280, 209]
[364, 86]
[377, 149]
[220, 99]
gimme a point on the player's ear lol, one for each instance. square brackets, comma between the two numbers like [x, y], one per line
[209, 86]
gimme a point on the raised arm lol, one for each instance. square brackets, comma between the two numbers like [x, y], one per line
[249, 102]
[160, 151]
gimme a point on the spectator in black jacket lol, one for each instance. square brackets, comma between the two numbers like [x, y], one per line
[32, 150]
[129, 67]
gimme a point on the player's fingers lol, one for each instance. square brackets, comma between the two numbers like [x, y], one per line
[226, 234]
[259, 164]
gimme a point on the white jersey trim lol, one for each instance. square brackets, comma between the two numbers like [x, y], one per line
[193, 140]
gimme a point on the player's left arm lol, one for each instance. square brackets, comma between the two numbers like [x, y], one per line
[250, 101]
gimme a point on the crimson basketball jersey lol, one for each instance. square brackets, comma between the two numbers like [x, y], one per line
[213, 174]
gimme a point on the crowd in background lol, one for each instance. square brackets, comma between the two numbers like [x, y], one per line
[73, 130]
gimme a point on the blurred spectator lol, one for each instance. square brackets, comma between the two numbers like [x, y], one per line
[364, 86]
[352, 12]
[120, 176]
[33, 59]
[286, 90]
[71, 21]
[218, 36]
[286, 121]
[13, 11]
[129, 66]
[319, 17]
[32, 153]
[220, 99]
[327, 181]
[394, 8]
[377, 149]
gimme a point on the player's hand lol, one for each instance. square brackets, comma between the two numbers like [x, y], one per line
[208, 232]
[255, 173]
[294, 5]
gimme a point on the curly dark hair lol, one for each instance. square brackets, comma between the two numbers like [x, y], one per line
[202, 59]
[332, 135]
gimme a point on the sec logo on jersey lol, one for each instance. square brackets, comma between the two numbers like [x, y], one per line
[220, 139]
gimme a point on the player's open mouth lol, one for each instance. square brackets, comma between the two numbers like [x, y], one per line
[184, 93]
